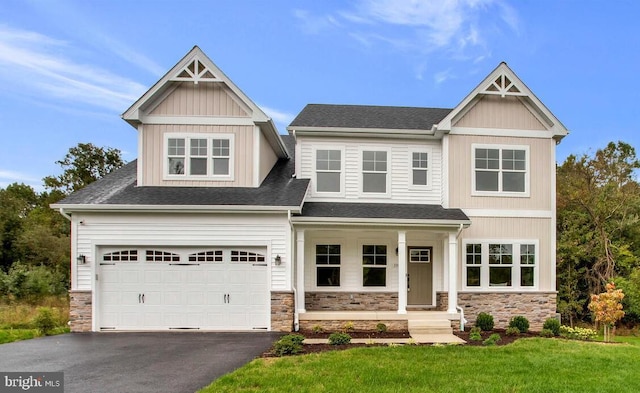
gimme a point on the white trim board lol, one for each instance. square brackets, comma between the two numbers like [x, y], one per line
[508, 213]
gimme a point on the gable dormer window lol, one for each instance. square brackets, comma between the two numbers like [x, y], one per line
[199, 156]
[329, 176]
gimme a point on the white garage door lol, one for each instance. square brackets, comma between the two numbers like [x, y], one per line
[180, 288]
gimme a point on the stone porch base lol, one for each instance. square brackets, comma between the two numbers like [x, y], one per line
[80, 311]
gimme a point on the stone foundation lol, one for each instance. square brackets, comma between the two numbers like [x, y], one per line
[337, 326]
[537, 307]
[282, 311]
[351, 301]
[80, 311]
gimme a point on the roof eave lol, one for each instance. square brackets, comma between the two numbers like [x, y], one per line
[381, 221]
[175, 208]
[365, 132]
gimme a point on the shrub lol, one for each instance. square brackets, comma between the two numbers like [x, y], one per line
[475, 329]
[492, 340]
[348, 326]
[45, 321]
[475, 336]
[578, 333]
[381, 328]
[512, 331]
[339, 339]
[548, 333]
[485, 321]
[552, 324]
[317, 329]
[522, 323]
[288, 345]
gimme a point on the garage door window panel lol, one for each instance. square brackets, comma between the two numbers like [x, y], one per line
[161, 256]
[121, 256]
[206, 256]
[246, 256]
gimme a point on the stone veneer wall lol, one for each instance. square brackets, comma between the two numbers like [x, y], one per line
[80, 310]
[351, 301]
[282, 305]
[362, 325]
[536, 306]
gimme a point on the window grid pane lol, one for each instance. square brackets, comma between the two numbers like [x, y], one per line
[328, 166]
[500, 254]
[328, 261]
[500, 170]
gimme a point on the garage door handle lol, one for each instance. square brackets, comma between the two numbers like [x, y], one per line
[228, 298]
[139, 298]
[143, 298]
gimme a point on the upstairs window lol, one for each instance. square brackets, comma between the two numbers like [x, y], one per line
[420, 169]
[328, 170]
[199, 156]
[501, 170]
[374, 172]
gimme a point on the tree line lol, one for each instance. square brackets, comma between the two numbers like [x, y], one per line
[34, 239]
[598, 231]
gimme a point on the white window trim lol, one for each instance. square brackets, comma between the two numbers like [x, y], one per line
[187, 137]
[363, 194]
[515, 272]
[387, 267]
[527, 173]
[315, 266]
[429, 185]
[341, 193]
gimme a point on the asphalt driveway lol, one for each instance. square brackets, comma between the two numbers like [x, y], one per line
[180, 362]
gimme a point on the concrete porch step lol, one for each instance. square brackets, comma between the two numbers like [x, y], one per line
[435, 326]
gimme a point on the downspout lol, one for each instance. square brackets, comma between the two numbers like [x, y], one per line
[296, 317]
[462, 319]
[64, 214]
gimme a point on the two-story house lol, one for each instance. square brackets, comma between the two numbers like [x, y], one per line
[362, 213]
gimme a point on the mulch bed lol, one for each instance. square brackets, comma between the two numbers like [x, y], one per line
[317, 348]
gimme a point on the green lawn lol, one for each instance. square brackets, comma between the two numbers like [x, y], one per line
[528, 365]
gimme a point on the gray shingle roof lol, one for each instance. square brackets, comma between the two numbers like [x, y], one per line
[119, 188]
[368, 116]
[382, 210]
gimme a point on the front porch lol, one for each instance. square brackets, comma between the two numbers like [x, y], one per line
[423, 326]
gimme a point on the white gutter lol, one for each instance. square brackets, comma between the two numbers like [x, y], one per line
[296, 315]
[64, 214]
[185, 208]
[462, 320]
[378, 221]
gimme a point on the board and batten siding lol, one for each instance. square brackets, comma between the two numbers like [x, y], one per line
[268, 157]
[500, 112]
[500, 228]
[203, 99]
[173, 230]
[461, 170]
[153, 151]
[399, 167]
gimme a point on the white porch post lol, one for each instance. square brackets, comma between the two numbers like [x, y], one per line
[453, 273]
[300, 271]
[402, 272]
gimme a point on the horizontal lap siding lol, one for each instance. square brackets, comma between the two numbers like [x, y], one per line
[400, 178]
[203, 99]
[184, 230]
[154, 154]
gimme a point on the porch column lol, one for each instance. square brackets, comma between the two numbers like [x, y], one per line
[453, 273]
[402, 272]
[300, 304]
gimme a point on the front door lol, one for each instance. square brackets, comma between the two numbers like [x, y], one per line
[420, 276]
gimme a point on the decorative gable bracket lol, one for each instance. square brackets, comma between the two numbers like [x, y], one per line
[503, 86]
[195, 71]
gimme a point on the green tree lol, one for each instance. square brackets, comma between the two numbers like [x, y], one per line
[83, 164]
[598, 204]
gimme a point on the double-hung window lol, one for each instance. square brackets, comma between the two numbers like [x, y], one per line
[420, 168]
[374, 265]
[199, 156]
[500, 170]
[501, 265]
[328, 170]
[374, 171]
[328, 265]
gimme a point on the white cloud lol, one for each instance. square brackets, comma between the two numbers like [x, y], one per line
[443, 76]
[8, 177]
[282, 119]
[33, 61]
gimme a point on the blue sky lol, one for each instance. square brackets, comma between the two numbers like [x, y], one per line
[69, 68]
